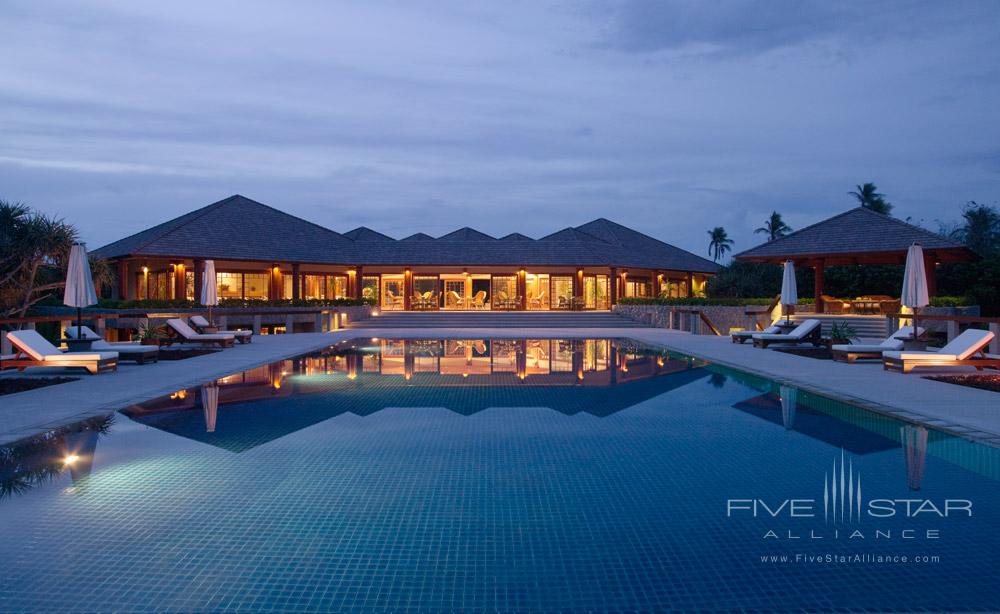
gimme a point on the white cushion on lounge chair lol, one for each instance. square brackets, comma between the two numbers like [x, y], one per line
[892, 343]
[82, 356]
[960, 348]
[39, 348]
[201, 322]
[798, 332]
[122, 347]
[770, 330]
[184, 330]
[33, 344]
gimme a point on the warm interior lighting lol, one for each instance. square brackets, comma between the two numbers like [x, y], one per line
[659, 361]
[374, 338]
[145, 270]
[70, 459]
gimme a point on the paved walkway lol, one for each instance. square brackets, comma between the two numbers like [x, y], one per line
[967, 411]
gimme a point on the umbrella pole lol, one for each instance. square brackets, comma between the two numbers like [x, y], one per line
[79, 323]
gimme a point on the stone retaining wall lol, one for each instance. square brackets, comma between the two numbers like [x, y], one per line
[723, 317]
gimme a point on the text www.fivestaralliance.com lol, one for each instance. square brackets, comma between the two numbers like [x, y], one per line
[849, 559]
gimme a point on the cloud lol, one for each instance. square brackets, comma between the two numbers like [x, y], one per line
[429, 116]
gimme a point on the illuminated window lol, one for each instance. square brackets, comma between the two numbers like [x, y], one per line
[369, 288]
[537, 291]
[425, 293]
[313, 287]
[230, 285]
[255, 286]
[562, 292]
[505, 292]
[336, 286]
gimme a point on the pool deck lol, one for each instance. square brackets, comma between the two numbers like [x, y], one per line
[961, 410]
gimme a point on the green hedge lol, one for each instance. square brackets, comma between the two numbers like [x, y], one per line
[951, 301]
[705, 302]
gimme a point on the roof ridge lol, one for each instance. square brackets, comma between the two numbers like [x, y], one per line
[800, 230]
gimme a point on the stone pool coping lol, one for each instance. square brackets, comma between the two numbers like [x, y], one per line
[967, 412]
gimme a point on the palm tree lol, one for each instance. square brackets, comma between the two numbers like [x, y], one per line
[34, 249]
[981, 231]
[774, 227]
[720, 243]
[869, 197]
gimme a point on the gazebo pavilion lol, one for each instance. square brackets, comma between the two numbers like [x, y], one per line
[858, 237]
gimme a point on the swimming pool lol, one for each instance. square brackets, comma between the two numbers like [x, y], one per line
[510, 475]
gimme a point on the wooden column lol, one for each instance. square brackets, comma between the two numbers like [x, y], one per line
[123, 280]
[690, 284]
[614, 286]
[296, 281]
[522, 289]
[654, 288]
[407, 289]
[819, 270]
[578, 284]
[199, 279]
[180, 281]
[930, 269]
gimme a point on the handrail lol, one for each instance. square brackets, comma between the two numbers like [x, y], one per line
[708, 322]
[87, 315]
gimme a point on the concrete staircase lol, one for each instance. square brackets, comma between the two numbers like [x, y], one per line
[496, 319]
[867, 327]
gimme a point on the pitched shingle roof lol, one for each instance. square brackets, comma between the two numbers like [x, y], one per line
[516, 236]
[466, 234]
[363, 233]
[856, 232]
[238, 228]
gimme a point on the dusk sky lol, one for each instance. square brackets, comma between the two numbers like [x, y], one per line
[671, 116]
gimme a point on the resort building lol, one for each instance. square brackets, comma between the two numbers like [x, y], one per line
[261, 253]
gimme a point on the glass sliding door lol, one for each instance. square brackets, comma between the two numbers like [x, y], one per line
[336, 287]
[313, 287]
[596, 292]
[425, 294]
[479, 292]
[537, 291]
[255, 286]
[453, 291]
[505, 295]
[392, 292]
[369, 289]
[562, 292]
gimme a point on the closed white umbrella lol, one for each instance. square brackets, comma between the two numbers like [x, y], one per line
[789, 290]
[210, 405]
[789, 403]
[914, 453]
[915, 293]
[80, 291]
[209, 288]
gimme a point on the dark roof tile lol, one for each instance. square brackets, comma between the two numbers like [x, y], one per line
[857, 231]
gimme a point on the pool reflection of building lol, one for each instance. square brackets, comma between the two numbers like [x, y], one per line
[598, 377]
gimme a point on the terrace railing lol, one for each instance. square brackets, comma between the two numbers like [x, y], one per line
[953, 325]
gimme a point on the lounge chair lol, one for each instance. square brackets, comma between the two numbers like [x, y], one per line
[202, 325]
[183, 332]
[126, 350]
[965, 350]
[479, 300]
[34, 350]
[809, 331]
[854, 351]
[741, 336]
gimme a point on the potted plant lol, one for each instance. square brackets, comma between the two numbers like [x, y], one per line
[842, 333]
[149, 335]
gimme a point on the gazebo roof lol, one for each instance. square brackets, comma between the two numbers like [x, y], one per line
[858, 236]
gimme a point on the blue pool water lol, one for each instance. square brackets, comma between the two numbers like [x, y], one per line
[496, 475]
